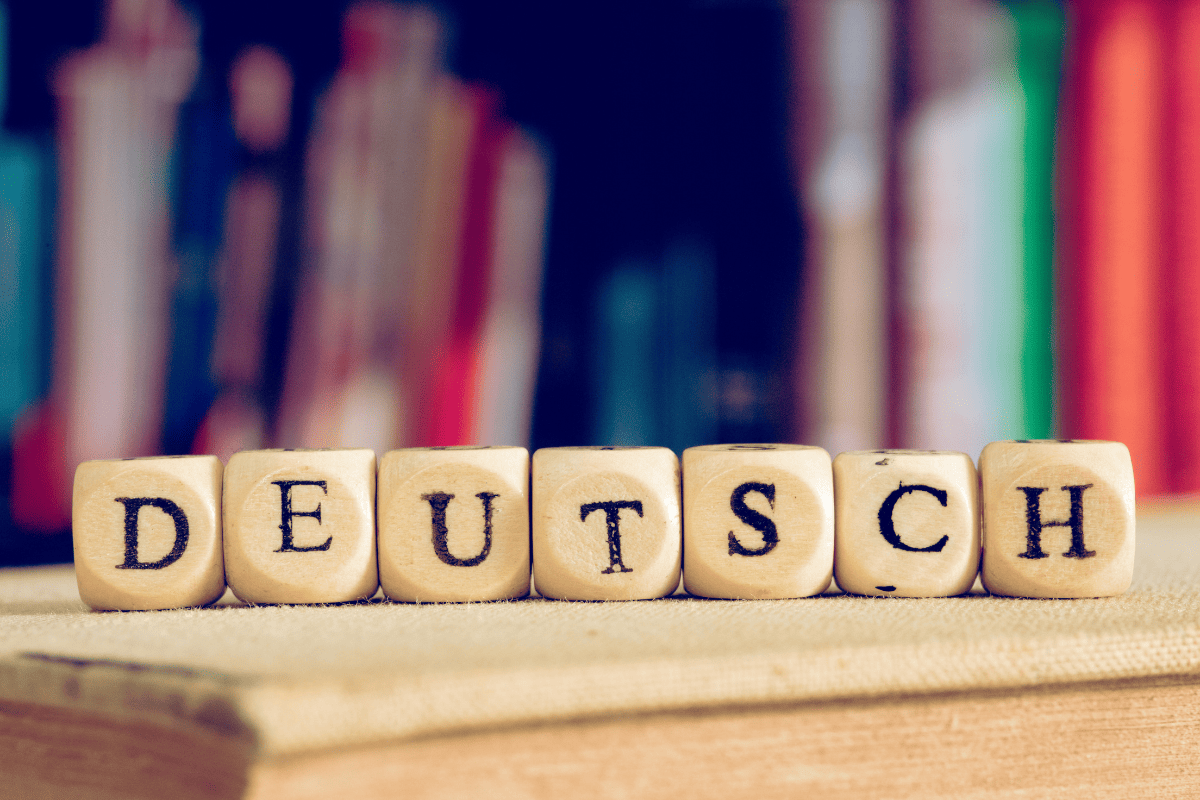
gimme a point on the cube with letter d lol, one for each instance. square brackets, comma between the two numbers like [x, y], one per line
[147, 532]
[300, 526]
[606, 522]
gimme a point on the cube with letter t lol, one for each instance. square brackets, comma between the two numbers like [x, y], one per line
[1058, 518]
[147, 532]
[300, 526]
[757, 520]
[606, 522]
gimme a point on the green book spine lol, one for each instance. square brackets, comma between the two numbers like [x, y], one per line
[1040, 26]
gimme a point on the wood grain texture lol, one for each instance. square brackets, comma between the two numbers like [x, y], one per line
[1114, 740]
[52, 753]
[1118, 739]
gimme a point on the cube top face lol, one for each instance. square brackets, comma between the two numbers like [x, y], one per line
[1058, 518]
[454, 524]
[763, 447]
[606, 522]
[300, 525]
[758, 521]
[147, 532]
[907, 522]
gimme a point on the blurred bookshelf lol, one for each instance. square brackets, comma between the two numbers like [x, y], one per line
[851, 223]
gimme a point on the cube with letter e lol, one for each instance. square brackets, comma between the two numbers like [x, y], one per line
[300, 526]
[1058, 518]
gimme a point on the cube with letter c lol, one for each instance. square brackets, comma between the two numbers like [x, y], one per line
[907, 522]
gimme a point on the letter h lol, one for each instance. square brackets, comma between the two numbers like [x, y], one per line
[1035, 523]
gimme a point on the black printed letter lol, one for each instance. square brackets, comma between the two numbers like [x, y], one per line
[1035, 523]
[748, 515]
[132, 506]
[437, 503]
[285, 494]
[612, 517]
[888, 529]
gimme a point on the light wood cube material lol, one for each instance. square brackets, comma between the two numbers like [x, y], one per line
[300, 526]
[757, 521]
[454, 523]
[907, 522]
[606, 522]
[147, 532]
[1058, 518]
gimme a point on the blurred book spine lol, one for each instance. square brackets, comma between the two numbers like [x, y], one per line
[961, 294]
[118, 111]
[455, 403]
[1113, 272]
[511, 332]
[842, 53]
[1040, 29]
[24, 171]
[244, 270]
[1183, 277]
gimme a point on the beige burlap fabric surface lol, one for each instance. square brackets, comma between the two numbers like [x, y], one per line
[296, 679]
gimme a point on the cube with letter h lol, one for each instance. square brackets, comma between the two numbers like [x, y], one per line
[300, 526]
[758, 520]
[1058, 518]
[454, 523]
[147, 532]
[606, 522]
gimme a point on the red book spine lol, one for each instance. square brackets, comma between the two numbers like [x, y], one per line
[452, 411]
[1110, 288]
[1183, 297]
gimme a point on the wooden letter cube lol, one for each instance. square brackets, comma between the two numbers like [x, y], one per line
[907, 522]
[300, 526]
[757, 521]
[606, 522]
[147, 532]
[1058, 518]
[454, 523]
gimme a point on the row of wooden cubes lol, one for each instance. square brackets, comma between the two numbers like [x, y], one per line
[1045, 519]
